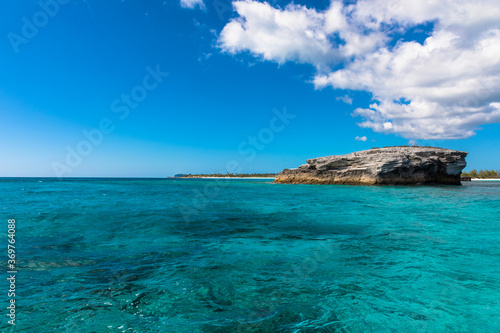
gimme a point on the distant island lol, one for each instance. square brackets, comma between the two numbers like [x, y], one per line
[228, 175]
[482, 174]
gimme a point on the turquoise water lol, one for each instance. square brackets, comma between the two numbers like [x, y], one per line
[111, 255]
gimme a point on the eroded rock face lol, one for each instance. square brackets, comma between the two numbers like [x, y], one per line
[382, 166]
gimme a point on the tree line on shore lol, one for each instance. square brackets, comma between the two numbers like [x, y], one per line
[229, 175]
[482, 174]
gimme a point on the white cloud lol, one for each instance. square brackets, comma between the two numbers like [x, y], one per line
[444, 88]
[292, 34]
[361, 138]
[346, 99]
[192, 4]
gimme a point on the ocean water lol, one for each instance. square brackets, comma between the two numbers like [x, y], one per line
[153, 255]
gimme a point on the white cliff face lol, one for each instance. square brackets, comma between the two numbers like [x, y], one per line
[392, 165]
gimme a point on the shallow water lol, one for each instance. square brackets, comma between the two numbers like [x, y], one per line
[139, 255]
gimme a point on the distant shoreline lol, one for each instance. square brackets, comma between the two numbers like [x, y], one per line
[200, 177]
[488, 179]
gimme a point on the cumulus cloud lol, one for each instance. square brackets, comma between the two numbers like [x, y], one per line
[292, 34]
[361, 138]
[442, 88]
[192, 4]
[346, 99]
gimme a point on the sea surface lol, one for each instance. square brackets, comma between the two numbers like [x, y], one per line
[167, 255]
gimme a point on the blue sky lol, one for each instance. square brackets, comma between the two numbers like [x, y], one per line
[223, 88]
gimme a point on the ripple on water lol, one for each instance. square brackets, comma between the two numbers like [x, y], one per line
[257, 257]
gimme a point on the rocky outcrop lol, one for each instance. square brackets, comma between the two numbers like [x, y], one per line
[381, 166]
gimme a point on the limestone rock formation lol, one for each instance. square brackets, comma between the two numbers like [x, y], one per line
[381, 166]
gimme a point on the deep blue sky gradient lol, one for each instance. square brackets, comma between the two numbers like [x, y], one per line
[64, 80]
